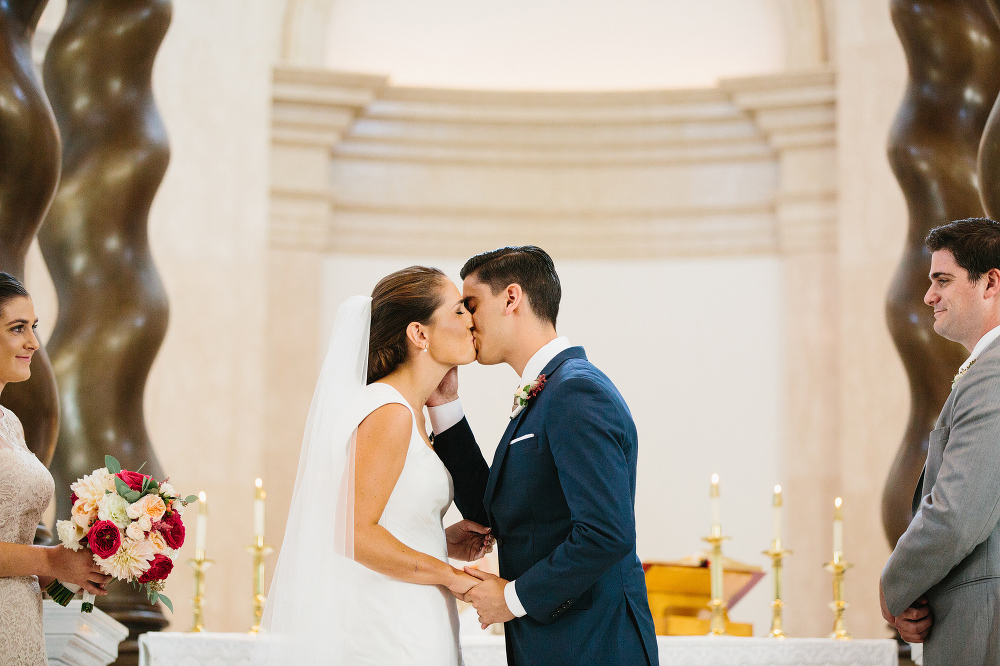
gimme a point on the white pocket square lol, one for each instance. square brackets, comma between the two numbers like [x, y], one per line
[522, 437]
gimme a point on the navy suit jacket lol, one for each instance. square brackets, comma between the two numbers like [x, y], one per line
[560, 497]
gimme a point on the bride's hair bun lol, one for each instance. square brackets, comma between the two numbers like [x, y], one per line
[406, 296]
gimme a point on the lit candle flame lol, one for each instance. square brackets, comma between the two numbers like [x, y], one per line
[777, 490]
[201, 496]
[715, 479]
[837, 502]
[260, 484]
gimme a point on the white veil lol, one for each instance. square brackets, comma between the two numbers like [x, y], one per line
[312, 590]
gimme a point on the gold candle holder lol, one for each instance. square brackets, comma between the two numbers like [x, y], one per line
[717, 605]
[777, 554]
[837, 567]
[199, 564]
[259, 551]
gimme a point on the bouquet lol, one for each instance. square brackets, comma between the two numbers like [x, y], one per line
[132, 525]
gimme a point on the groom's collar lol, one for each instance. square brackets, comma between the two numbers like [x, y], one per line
[540, 359]
[561, 357]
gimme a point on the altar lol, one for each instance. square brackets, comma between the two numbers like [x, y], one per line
[222, 649]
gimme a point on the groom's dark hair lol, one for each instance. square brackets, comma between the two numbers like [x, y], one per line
[975, 243]
[528, 266]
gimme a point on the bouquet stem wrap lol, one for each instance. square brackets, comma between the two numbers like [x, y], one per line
[63, 593]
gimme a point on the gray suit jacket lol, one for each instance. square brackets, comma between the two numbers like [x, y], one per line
[950, 553]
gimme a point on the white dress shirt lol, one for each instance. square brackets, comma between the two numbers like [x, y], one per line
[983, 343]
[445, 416]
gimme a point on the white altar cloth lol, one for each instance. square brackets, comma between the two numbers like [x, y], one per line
[218, 649]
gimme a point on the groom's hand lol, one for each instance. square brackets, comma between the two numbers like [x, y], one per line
[488, 599]
[468, 540]
[447, 390]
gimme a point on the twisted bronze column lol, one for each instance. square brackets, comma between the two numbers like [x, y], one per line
[954, 75]
[112, 305]
[29, 171]
[989, 149]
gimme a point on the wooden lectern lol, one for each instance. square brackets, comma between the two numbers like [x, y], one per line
[679, 594]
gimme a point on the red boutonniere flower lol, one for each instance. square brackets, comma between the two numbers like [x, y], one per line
[525, 394]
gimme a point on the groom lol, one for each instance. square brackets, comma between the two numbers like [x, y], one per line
[560, 494]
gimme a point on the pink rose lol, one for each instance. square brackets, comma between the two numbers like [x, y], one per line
[159, 569]
[172, 529]
[104, 538]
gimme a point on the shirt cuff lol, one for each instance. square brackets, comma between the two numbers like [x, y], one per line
[513, 603]
[445, 416]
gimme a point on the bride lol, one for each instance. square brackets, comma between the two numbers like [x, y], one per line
[363, 576]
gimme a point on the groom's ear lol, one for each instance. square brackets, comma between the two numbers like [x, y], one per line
[515, 297]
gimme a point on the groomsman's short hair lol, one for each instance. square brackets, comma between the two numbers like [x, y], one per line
[974, 242]
[528, 266]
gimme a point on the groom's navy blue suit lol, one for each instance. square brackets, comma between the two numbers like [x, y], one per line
[560, 498]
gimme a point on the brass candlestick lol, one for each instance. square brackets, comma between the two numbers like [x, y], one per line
[259, 551]
[777, 554]
[199, 564]
[837, 567]
[717, 605]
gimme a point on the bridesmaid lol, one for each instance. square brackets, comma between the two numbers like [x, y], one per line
[25, 490]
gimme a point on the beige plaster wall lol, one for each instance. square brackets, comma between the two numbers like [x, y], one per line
[872, 224]
[549, 45]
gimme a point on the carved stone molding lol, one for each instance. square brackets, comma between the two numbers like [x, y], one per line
[361, 166]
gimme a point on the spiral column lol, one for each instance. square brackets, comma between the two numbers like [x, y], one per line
[953, 56]
[29, 172]
[989, 148]
[112, 305]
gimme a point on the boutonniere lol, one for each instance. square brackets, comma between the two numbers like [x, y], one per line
[962, 372]
[525, 394]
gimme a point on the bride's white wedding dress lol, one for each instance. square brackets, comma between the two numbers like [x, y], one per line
[392, 622]
[324, 608]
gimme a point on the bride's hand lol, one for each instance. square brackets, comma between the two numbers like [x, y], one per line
[447, 390]
[468, 540]
[461, 583]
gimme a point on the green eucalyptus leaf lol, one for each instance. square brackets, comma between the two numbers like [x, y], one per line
[112, 464]
[166, 602]
[122, 488]
[190, 499]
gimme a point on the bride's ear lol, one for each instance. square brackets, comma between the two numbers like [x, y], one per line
[416, 333]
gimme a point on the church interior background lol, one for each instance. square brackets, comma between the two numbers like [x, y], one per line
[710, 178]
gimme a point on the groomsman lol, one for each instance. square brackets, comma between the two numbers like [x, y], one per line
[941, 585]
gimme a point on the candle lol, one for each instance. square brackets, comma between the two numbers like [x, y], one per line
[201, 527]
[716, 506]
[776, 514]
[258, 510]
[838, 530]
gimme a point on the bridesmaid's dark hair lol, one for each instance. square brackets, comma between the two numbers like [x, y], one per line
[406, 296]
[10, 288]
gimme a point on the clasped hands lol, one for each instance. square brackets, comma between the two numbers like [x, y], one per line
[914, 623]
[469, 541]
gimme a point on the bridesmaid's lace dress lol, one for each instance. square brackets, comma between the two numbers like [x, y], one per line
[25, 490]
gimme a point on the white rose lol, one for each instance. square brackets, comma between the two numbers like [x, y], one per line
[70, 534]
[134, 511]
[145, 522]
[172, 553]
[167, 489]
[113, 507]
[134, 531]
[177, 506]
